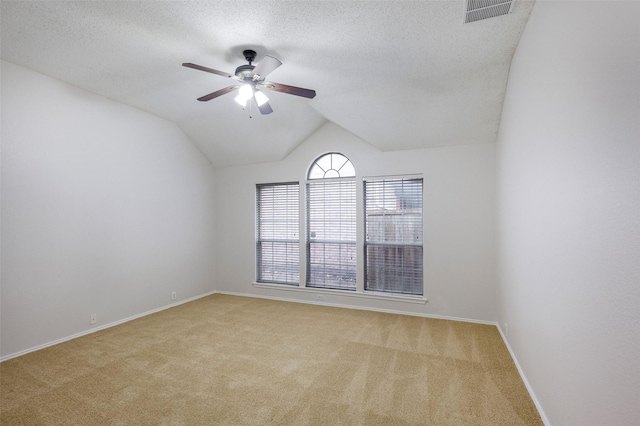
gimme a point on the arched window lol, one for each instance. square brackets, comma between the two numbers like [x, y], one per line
[332, 165]
[331, 223]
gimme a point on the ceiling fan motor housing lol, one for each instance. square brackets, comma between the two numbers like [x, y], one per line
[244, 71]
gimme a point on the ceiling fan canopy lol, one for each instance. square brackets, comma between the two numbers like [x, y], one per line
[250, 79]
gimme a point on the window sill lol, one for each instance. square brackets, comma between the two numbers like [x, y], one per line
[365, 295]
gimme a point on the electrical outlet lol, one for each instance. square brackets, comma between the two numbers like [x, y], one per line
[173, 296]
[320, 296]
[94, 318]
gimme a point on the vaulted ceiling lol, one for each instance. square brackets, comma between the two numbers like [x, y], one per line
[398, 74]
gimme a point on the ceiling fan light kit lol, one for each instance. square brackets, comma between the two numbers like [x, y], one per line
[261, 98]
[244, 94]
[250, 78]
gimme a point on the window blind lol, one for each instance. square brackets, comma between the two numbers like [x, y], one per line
[278, 233]
[331, 234]
[393, 235]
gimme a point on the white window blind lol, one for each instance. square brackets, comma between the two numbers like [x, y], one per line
[278, 233]
[331, 233]
[393, 229]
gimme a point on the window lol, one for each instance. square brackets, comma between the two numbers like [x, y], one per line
[277, 233]
[393, 229]
[331, 223]
[391, 255]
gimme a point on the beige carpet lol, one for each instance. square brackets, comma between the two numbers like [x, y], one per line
[244, 361]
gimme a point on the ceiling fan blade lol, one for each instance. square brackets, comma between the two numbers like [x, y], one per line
[211, 70]
[266, 66]
[291, 90]
[217, 93]
[265, 108]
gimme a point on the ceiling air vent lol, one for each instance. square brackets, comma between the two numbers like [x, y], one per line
[483, 9]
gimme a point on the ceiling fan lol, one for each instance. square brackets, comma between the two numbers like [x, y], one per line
[250, 78]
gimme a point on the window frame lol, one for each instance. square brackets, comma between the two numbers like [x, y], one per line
[348, 270]
[360, 243]
[291, 263]
[412, 277]
[325, 215]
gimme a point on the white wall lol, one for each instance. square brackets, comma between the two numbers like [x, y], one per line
[105, 209]
[569, 211]
[459, 221]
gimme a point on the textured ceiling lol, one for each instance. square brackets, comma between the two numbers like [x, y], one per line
[398, 74]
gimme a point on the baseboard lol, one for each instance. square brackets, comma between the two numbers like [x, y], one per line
[102, 327]
[544, 418]
[362, 308]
